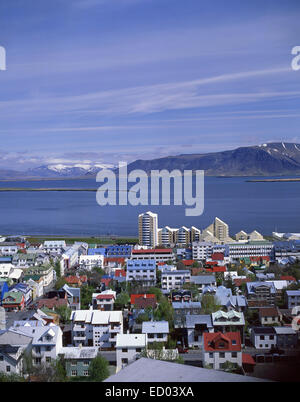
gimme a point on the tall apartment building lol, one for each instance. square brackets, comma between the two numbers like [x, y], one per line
[148, 229]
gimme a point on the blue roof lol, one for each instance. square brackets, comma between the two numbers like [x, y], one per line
[97, 251]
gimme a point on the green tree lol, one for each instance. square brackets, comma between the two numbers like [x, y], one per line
[209, 304]
[64, 313]
[99, 369]
[60, 283]
[86, 292]
[122, 300]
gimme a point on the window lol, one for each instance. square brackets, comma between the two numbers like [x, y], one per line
[1, 358]
[138, 350]
[211, 355]
[124, 350]
[8, 369]
[86, 373]
[48, 359]
[222, 355]
[74, 373]
[234, 354]
[262, 337]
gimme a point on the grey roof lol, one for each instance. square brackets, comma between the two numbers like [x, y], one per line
[203, 279]
[187, 305]
[76, 352]
[193, 319]
[151, 370]
[293, 292]
[155, 327]
[263, 330]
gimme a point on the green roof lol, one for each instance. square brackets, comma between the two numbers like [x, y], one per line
[16, 295]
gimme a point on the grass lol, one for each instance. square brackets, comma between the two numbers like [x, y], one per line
[89, 240]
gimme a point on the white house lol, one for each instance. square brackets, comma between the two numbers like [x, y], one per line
[156, 331]
[96, 327]
[128, 348]
[263, 337]
[90, 261]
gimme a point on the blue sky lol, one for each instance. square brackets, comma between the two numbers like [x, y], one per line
[110, 80]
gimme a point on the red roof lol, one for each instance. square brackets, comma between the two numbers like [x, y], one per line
[248, 359]
[188, 262]
[216, 269]
[267, 258]
[101, 297]
[72, 279]
[210, 262]
[287, 278]
[120, 272]
[134, 297]
[153, 251]
[238, 282]
[216, 341]
[217, 256]
[106, 281]
[118, 260]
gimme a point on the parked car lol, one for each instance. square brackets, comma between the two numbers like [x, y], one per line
[182, 349]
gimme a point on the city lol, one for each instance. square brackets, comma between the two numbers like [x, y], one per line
[222, 306]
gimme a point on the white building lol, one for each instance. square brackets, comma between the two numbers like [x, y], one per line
[129, 347]
[263, 337]
[202, 250]
[156, 331]
[96, 327]
[89, 262]
[174, 279]
[148, 229]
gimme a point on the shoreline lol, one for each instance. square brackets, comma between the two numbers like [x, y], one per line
[273, 180]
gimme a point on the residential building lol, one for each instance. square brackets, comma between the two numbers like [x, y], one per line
[196, 326]
[148, 229]
[89, 262]
[286, 337]
[104, 301]
[54, 246]
[73, 297]
[78, 359]
[174, 279]
[96, 328]
[156, 331]
[260, 294]
[44, 272]
[219, 348]
[143, 271]
[128, 348]
[119, 251]
[202, 250]
[270, 316]
[46, 342]
[13, 301]
[158, 255]
[292, 298]
[203, 280]
[263, 337]
[229, 321]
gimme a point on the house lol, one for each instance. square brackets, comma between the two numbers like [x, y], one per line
[104, 301]
[263, 337]
[219, 348]
[128, 348]
[143, 271]
[174, 279]
[197, 325]
[73, 297]
[156, 254]
[227, 300]
[156, 331]
[269, 316]
[25, 289]
[46, 342]
[51, 303]
[181, 295]
[10, 274]
[3, 290]
[286, 337]
[45, 272]
[182, 310]
[96, 328]
[119, 251]
[13, 301]
[203, 280]
[13, 346]
[229, 321]
[292, 298]
[78, 359]
[36, 285]
[279, 286]
[260, 294]
[142, 301]
[89, 262]
[54, 246]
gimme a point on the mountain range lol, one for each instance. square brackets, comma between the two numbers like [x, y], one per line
[270, 159]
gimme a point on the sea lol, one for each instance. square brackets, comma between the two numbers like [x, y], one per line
[243, 205]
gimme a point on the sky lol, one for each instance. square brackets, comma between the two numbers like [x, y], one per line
[118, 80]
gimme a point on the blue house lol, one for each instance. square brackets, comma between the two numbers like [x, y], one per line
[123, 251]
[3, 290]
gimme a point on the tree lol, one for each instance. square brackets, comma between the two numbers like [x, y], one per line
[229, 283]
[60, 283]
[64, 313]
[209, 304]
[99, 369]
[122, 300]
[86, 292]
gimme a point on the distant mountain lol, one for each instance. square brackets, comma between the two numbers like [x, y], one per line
[262, 160]
[271, 159]
[67, 170]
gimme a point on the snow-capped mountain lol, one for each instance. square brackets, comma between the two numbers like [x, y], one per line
[68, 170]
